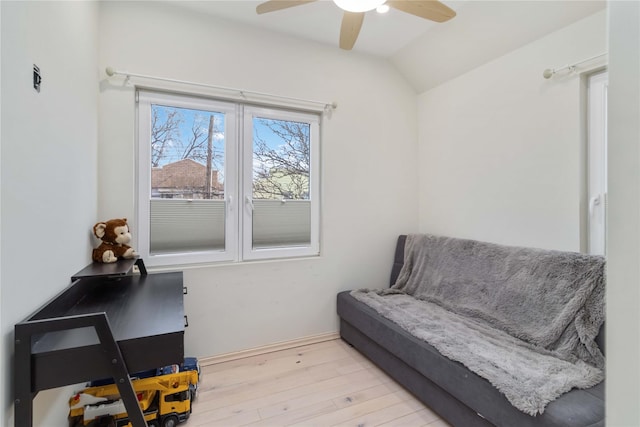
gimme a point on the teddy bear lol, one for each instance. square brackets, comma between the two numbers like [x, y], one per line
[115, 236]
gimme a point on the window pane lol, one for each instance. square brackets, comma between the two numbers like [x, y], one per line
[185, 225]
[187, 207]
[281, 170]
[281, 223]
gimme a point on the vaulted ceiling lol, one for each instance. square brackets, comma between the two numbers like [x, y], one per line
[426, 53]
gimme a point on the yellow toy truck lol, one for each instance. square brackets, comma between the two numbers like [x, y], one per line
[165, 401]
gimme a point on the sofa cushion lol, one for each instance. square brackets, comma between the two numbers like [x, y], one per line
[577, 408]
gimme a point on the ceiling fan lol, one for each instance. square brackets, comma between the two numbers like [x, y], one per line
[354, 11]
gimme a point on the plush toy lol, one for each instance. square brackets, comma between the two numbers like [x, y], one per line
[114, 235]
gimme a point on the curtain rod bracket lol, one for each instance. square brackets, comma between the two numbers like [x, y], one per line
[550, 72]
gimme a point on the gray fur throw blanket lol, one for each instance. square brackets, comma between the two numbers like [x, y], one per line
[524, 319]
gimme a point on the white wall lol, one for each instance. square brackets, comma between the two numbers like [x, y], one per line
[623, 246]
[369, 163]
[369, 170]
[501, 148]
[48, 167]
[3, 388]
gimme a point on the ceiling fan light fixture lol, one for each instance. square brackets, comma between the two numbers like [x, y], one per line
[358, 5]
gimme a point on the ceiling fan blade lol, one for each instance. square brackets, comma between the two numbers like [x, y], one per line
[432, 10]
[351, 24]
[273, 5]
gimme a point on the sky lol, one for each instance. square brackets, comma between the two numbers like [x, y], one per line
[174, 150]
[176, 146]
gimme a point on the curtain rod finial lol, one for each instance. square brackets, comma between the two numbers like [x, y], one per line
[110, 71]
[547, 73]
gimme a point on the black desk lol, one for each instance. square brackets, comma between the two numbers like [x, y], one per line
[100, 327]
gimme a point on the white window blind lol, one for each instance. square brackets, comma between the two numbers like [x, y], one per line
[186, 225]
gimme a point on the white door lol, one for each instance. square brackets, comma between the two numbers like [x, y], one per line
[597, 162]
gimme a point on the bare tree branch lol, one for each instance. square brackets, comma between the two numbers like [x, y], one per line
[282, 171]
[163, 133]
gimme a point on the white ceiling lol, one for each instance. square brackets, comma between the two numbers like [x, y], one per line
[426, 53]
[381, 34]
[483, 31]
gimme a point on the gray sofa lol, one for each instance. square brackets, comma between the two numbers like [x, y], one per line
[458, 395]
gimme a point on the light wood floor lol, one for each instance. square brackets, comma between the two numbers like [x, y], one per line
[323, 384]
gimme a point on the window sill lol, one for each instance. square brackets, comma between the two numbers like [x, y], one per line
[223, 264]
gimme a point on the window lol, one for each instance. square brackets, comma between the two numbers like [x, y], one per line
[180, 396]
[224, 181]
[597, 163]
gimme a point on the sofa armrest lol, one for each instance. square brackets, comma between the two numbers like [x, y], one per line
[398, 259]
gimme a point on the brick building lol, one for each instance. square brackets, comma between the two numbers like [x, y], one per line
[184, 179]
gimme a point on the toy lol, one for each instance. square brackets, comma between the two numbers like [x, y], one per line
[164, 400]
[164, 395]
[115, 236]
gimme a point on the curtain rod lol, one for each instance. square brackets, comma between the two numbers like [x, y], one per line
[548, 73]
[328, 106]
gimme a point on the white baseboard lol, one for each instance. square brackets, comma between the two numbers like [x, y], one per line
[284, 345]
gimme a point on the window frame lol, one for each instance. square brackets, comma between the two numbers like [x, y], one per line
[238, 180]
[144, 101]
[248, 252]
